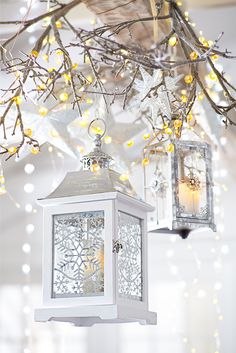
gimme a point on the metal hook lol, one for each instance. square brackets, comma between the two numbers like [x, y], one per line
[89, 128]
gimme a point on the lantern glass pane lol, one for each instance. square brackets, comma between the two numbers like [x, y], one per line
[130, 276]
[156, 186]
[78, 254]
[191, 183]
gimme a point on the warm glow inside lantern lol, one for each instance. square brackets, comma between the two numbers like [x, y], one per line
[179, 185]
[95, 248]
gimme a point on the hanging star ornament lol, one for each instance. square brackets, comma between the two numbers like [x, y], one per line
[50, 128]
[156, 94]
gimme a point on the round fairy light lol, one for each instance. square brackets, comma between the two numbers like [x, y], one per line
[29, 228]
[29, 188]
[26, 248]
[26, 269]
[29, 168]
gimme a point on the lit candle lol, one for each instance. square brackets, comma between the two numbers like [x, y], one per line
[188, 199]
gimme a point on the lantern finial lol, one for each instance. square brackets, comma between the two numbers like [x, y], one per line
[96, 159]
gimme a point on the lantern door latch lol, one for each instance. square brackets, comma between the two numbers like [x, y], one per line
[117, 246]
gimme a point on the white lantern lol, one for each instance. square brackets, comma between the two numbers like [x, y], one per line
[95, 248]
[179, 185]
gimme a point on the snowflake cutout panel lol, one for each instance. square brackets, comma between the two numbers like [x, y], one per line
[130, 276]
[78, 254]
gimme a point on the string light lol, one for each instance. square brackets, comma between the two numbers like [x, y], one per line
[146, 136]
[145, 161]
[124, 177]
[12, 150]
[63, 97]
[26, 269]
[130, 143]
[29, 168]
[107, 139]
[28, 208]
[43, 111]
[28, 188]
[173, 41]
[29, 228]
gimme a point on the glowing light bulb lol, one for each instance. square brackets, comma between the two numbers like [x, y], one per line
[107, 139]
[59, 52]
[29, 228]
[12, 150]
[80, 149]
[200, 96]
[29, 188]
[89, 101]
[26, 248]
[168, 131]
[89, 79]
[59, 24]
[64, 97]
[54, 133]
[28, 208]
[26, 269]
[34, 53]
[75, 66]
[124, 177]
[95, 167]
[29, 168]
[188, 79]
[173, 41]
[145, 161]
[170, 147]
[43, 111]
[177, 123]
[3, 190]
[213, 76]
[35, 150]
[146, 136]
[67, 78]
[193, 55]
[130, 143]
[45, 57]
[184, 98]
[28, 132]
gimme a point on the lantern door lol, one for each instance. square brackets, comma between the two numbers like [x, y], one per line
[77, 264]
[158, 188]
[131, 257]
[192, 185]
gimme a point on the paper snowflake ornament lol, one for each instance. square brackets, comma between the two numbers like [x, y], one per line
[156, 94]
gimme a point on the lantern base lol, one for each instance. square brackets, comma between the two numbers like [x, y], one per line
[182, 232]
[95, 314]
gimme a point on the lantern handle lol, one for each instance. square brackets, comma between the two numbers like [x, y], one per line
[89, 128]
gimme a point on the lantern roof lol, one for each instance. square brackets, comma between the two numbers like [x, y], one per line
[85, 182]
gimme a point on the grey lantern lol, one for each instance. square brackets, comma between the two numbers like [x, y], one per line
[179, 185]
[95, 248]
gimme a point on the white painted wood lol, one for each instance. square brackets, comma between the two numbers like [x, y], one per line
[89, 315]
[85, 311]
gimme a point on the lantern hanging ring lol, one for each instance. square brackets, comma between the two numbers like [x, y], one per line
[90, 128]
